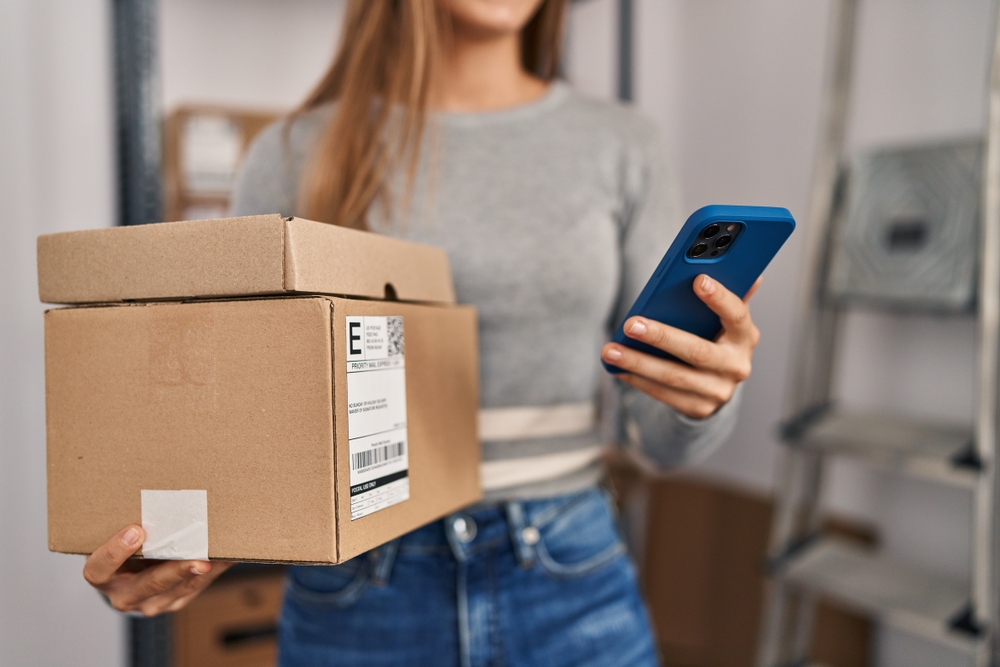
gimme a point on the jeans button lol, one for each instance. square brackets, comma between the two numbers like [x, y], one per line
[465, 529]
[530, 535]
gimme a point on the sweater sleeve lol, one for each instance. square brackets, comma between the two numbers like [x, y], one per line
[265, 182]
[649, 219]
[268, 179]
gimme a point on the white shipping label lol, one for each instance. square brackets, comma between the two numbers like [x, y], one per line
[376, 414]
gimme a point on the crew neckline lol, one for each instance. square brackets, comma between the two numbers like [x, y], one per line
[557, 93]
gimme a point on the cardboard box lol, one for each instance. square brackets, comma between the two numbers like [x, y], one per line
[202, 149]
[236, 257]
[231, 417]
[233, 623]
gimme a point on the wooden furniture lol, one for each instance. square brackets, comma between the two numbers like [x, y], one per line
[701, 547]
[232, 624]
[202, 149]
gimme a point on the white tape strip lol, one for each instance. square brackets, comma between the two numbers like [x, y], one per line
[547, 421]
[176, 524]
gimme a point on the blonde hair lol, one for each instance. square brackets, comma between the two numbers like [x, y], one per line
[389, 53]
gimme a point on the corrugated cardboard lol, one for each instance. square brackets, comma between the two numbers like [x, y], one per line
[245, 398]
[254, 255]
[233, 623]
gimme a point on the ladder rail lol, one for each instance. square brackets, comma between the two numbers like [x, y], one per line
[986, 589]
[796, 504]
[809, 388]
[816, 339]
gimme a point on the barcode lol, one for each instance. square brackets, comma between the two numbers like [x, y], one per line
[395, 331]
[370, 457]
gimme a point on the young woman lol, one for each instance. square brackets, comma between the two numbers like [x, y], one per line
[443, 121]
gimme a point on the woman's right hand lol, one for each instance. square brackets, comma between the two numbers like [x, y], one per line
[150, 587]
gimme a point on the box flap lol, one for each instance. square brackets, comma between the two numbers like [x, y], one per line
[246, 256]
[336, 260]
[171, 260]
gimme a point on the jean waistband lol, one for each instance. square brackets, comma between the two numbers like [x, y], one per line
[481, 527]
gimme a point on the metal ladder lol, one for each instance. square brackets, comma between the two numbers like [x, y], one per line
[803, 562]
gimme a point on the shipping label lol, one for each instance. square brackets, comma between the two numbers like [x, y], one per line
[376, 414]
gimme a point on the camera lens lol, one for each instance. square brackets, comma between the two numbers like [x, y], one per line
[699, 250]
[723, 241]
[710, 231]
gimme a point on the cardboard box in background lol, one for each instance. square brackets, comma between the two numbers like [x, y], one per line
[233, 623]
[203, 146]
[241, 405]
[701, 548]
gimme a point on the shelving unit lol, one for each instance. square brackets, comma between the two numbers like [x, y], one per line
[938, 452]
[896, 593]
[804, 563]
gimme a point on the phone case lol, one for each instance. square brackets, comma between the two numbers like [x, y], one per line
[669, 296]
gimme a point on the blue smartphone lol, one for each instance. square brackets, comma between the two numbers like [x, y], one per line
[732, 244]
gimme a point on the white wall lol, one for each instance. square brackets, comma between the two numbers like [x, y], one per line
[263, 54]
[742, 120]
[56, 173]
[591, 49]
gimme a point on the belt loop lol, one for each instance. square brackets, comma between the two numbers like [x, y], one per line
[517, 525]
[382, 560]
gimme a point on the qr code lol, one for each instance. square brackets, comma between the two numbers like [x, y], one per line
[395, 327]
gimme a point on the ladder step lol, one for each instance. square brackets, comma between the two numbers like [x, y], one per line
[941, 452]
[896, 593]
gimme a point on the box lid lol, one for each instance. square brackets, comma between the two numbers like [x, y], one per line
[255, 255]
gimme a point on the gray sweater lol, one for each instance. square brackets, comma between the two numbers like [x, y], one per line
[553, 214]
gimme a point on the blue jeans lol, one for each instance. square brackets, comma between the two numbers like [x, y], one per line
[543, 582]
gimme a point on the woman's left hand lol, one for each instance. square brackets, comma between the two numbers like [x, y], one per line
[717, 367]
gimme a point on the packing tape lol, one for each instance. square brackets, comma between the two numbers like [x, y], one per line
[176, 524]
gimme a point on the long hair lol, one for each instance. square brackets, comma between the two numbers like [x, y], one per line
[381, 78]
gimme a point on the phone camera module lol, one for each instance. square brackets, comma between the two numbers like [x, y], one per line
[714, 240]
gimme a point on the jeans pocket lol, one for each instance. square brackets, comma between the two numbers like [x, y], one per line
[335, 586]
[579, 539]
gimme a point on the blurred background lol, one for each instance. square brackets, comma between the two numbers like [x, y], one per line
[736, 87]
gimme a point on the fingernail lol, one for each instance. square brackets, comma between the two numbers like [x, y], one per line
[131, 537]
[638, 328]
[707, 285]
[195, 571]
[613, 354]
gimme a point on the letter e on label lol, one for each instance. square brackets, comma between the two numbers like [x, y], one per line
[355, 338]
